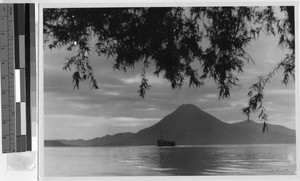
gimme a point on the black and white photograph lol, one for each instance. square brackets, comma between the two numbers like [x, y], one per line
[169, 91]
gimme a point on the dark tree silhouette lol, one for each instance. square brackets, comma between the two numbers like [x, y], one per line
[172, 39]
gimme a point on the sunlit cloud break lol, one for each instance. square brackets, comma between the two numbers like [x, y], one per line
[137, 79]
[280, 92]
[133, 119]
[211, 95]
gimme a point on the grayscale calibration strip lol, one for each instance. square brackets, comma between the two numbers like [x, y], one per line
[16, 43]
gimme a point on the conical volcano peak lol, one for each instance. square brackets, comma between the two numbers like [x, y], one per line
[188, 107]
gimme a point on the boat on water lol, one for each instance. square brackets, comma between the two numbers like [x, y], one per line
[162, 142]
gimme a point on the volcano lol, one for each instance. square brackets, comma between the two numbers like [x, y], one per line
[189, 125]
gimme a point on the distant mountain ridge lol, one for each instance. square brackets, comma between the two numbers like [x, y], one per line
[189, 125]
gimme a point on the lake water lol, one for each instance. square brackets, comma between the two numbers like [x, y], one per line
[178, 160]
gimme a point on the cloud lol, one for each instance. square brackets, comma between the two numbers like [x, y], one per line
[148, 109]
[133, 119]
[280, 92]
[210, 95]
[80, 106]
[131, 124]
[112, 85]
[218, 109]
[240, 102]
[201, 100]
[131, 80]
[137, 80]
[111, 93]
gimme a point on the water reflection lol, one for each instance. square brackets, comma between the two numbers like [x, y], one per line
[228, 160]
[187, 160]
[178, 160]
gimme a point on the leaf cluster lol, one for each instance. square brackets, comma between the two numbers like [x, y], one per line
[284, 29]
[173, 40]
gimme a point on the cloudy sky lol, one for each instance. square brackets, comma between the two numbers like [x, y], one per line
[116, 106]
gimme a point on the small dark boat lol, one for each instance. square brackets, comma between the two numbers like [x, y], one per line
[165, 143]
[162, 142]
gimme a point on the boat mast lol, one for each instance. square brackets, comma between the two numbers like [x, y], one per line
[161, 128]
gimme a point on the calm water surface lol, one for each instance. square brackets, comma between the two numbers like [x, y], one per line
[178, 160]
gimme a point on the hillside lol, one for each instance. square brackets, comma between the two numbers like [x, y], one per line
[189, 125]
